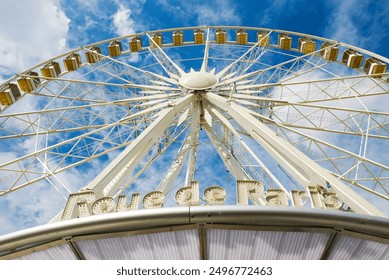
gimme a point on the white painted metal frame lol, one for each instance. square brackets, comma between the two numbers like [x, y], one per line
[278, 105]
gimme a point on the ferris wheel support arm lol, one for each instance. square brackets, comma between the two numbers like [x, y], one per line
[230, 161]
[134, 69]
[230, 128]
[171, 176]
[171, 68]
[189, 176]
[114, 175]
[249, 58]
[277, 68]
[148, 163]
[304, 170]
[204, 65]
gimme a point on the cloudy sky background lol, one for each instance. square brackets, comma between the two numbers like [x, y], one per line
[33, 31]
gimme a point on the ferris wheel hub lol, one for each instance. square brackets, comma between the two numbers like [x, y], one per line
[198, 80]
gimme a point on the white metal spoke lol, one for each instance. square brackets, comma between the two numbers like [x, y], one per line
[117, 171]
[171, 68]
[77, 152]
[276, 72]
[297, 164]
[161, 150]
[233, 166]
[347, 157]
[135, 74]
[204, 64]
[171, 176]
[247, 148]
[243, 63]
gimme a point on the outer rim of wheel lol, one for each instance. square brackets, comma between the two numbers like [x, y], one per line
[323, 39]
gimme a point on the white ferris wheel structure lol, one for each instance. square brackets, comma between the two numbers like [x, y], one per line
[200, 138]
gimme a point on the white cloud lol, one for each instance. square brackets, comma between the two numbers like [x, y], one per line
[221, 12]
[358, 22]
[275, 10]
[30, 33]
[212, 13]
[123, 22]
[127, 19]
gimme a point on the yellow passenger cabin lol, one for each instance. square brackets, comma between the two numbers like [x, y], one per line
[263, 38]
[178, 38]
[72, 62]
[306, 45]
[374, 66]
[9, 94]
[93, 55]
[136, 44]
[352, 58]
[157, 40]
[284, 41]
[29, 82]
[241, 37]
[51, 70]
[221, 36]
[329, 51]
[115, 48]
[198, 36]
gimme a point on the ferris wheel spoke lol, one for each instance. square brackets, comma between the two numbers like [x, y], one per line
[170, 177]
[334, 89]
[282, 71]
[87, 86]
[355, 182]
[185, 150]
[297, 164]
[352, 122]
[162, 146]
[171, 68]
[27, 170]
[244, 62]
[242, 145]
[59, 120]
[115, 174]
[351, 174]
[204, 64]
[299, 68]
[233, 166]
[107, 84]
[132, 73]
[361, 163]
[83, 148]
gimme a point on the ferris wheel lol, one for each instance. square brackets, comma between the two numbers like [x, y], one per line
[206, 115]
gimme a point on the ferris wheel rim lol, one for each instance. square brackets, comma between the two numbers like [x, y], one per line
[383, 58]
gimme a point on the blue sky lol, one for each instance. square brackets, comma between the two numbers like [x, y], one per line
[33, 31]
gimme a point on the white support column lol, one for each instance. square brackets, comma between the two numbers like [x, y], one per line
[303, 169]
[230, 162]
[230, 128]
[175, 169]
[189, 177]
[171, 68]
[204, 65]
[248, 59]
[115, 174]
